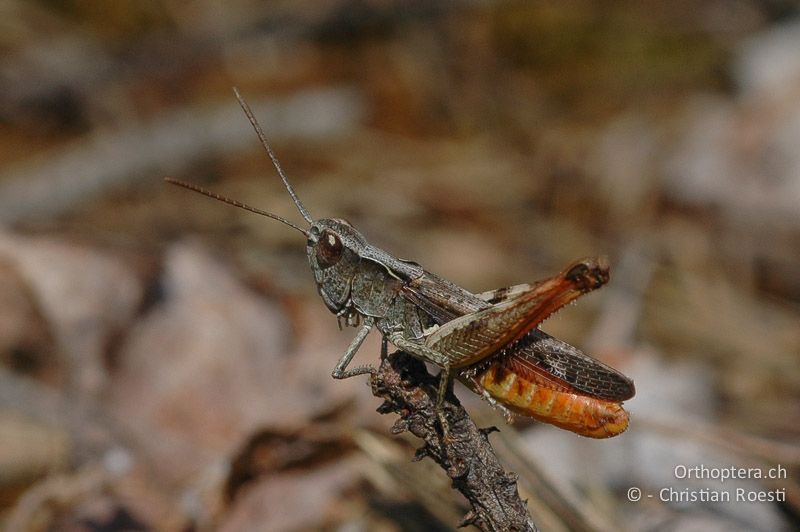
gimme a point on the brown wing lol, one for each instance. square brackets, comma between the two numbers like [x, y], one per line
[440, 298]
[537, 355]
[541, 358]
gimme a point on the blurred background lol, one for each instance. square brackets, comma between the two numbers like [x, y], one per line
[165, 360]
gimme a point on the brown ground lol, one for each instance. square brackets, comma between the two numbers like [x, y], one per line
[166, 360]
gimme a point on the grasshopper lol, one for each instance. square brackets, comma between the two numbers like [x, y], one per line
[489, 341]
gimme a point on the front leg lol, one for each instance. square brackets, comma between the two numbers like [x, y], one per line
[341, 371]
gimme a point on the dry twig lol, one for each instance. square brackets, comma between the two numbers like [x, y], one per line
[465, 454]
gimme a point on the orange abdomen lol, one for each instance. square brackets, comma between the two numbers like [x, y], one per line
[584, 415]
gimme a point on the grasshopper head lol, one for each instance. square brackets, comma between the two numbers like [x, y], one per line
[334, 248]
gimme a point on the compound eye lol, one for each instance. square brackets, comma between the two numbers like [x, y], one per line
[329, 249]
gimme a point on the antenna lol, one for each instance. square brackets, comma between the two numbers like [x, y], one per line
[233, 202]
[275, 163]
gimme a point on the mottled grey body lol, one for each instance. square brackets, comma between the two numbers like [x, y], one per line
[436, 320]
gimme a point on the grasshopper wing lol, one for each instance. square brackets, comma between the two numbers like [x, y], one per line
[540, 358]
[473, 337]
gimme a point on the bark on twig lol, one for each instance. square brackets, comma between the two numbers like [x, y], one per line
[465, 454]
